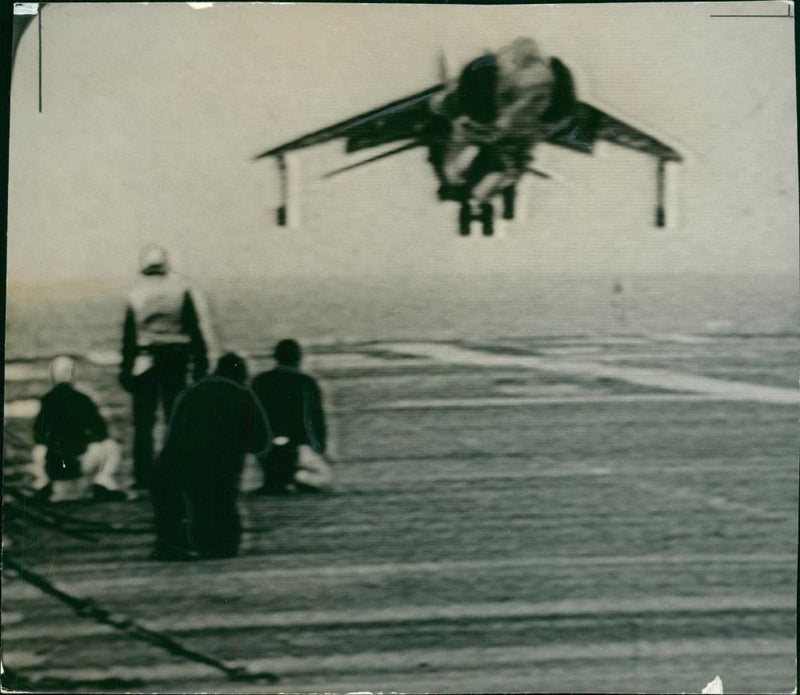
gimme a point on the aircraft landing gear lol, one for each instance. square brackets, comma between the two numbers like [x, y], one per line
[509, 202]
[487, 219]
[485, 215]
[464, 219]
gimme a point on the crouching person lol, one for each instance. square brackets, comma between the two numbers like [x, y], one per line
[73, 458]
[214, 423]
[293, 402]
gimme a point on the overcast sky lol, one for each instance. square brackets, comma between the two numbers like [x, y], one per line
[152, 114]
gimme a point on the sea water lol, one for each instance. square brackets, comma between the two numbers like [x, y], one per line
[251, 314]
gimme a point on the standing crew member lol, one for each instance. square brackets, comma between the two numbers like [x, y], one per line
[293, 402]
[214, 423]
[166, 330]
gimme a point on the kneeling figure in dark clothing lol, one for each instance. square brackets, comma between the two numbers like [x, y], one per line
[293, 402]
[215, 422]
[74, 458]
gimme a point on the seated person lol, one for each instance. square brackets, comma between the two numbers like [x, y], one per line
[214, 423]
[293, 402]
[73, 457]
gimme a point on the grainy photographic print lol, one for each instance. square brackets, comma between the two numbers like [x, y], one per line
[401, 348]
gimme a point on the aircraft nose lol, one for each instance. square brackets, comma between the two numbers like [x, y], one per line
[535, 74]
[525, 51]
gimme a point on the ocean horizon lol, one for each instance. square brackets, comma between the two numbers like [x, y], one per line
[250, 314]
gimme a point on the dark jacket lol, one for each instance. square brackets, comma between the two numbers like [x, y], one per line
[68, 421]
[293, 402]
[214, 423]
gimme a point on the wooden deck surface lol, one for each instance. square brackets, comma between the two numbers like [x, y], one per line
[573, 515]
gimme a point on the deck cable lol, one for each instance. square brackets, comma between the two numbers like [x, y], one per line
[88, 608]
[78, 524]
[21, 511]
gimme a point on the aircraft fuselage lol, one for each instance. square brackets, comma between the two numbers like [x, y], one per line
[489, 121]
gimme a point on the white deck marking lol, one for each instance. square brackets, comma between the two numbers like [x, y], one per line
[71, 630]
[25, 371]
[358, 360]
[104, 358]
[479, 657]
[517, 401]
[24, 409]
[569, 610]
[658, 378]
[407, 661]
[680, 338]
[22, 659]
[716, 501]
[104, 577]
[474, 611]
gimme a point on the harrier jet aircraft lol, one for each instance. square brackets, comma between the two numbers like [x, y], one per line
[480, 131]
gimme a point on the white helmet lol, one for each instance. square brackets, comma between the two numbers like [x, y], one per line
[62, 370]
[153, 259]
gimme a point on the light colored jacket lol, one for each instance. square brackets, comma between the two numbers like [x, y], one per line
[158, 305]
[165, 310]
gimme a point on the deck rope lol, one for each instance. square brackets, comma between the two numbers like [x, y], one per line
[88, 608]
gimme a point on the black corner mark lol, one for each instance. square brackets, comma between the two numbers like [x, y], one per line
[39, 13]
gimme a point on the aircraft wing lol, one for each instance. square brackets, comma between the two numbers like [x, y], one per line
[590, 124]
[398, 120]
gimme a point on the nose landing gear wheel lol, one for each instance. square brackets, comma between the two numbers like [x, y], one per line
[509, 200]
[485, 215]
[464, 219]
[487, 219]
